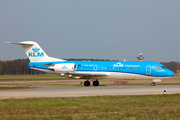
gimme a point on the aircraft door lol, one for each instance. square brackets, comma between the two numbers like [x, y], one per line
[95, 67]
[148, 70]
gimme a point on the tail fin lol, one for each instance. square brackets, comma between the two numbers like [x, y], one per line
[34, 52]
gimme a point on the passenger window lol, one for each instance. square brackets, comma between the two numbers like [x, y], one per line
[124, 68]
[127, 67]
[121, 67]
[130, 68]
[78, 67]
[107, 67]
[110, 67]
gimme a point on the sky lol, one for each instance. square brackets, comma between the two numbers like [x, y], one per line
[99, 29]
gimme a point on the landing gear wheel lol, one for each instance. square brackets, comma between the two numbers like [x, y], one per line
[96, 83]
[153, 84]
[86, 83]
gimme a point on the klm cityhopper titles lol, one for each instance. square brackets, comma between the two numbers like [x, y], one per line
[39, 60]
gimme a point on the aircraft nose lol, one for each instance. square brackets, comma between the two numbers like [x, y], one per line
[166, 73]
[170, 73]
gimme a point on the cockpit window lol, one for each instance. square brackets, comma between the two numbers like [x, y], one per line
[160, 67]
[163, 67]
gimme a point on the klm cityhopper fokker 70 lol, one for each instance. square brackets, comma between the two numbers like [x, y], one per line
[39, 60]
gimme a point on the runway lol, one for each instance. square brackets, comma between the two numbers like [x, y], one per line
[78, 90]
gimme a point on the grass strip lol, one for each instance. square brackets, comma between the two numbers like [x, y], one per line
[4, 78]
[11, 88]
[176, 74]
[34, 79]
[136, 107]
[22, 76]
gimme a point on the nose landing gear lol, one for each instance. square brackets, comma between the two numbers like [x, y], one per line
[153, 84]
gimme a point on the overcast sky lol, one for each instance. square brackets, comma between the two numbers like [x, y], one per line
[100, 29]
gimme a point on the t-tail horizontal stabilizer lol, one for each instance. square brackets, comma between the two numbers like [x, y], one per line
[34, 52]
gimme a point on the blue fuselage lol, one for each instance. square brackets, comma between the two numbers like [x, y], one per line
[142, 68]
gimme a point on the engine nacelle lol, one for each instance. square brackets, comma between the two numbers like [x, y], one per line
[67, 67]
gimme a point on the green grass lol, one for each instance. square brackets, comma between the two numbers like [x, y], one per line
[136, 107]
[31, 77]
[10, 88]
[176, 74]
[23, 76]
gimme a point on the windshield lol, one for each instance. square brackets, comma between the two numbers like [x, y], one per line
[163, 67]
[160, 67]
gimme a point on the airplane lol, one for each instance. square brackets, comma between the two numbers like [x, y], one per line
[117, 70]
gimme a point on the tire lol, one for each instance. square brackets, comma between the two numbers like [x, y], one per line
[96, 83]
[153, 84]
[86, 83]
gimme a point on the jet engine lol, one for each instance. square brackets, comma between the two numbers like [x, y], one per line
[67, 67]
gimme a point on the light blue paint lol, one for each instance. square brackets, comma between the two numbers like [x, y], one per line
[133, 67]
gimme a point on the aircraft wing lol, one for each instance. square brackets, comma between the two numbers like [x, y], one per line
[84, 75]
[89, 73]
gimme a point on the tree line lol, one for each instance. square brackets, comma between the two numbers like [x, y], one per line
[20, 66]
[17, 67]
[172, 65]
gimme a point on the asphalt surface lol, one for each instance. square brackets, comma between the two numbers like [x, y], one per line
[79, 90]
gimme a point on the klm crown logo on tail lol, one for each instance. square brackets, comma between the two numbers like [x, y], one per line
[35, 49]
[36, 53]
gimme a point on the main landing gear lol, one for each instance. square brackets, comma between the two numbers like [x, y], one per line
[96, 83]
[153, 84]
[87, 83]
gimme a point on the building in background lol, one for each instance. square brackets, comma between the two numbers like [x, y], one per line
[178, 71]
